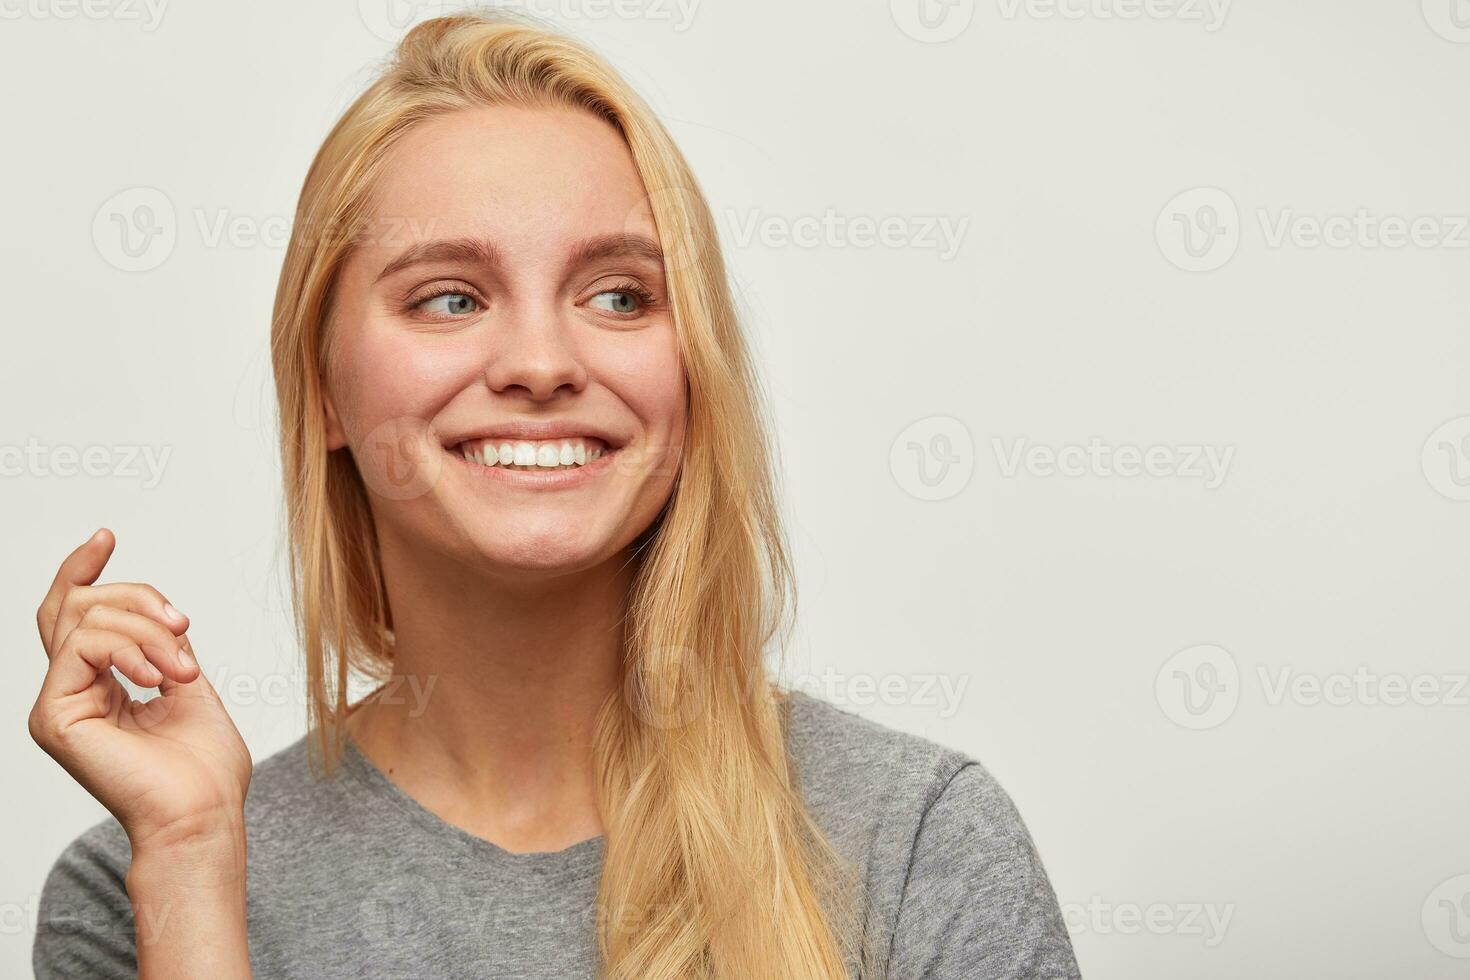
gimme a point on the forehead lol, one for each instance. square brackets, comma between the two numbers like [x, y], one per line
[524, 178]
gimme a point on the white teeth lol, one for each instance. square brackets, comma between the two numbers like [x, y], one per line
[553, 454]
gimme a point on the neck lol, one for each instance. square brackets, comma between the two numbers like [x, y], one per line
[489, 719]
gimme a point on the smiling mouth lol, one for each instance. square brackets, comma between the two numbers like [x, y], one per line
[537, 456]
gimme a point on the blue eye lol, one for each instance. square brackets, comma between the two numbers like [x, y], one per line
[624, 300]
[449, 304]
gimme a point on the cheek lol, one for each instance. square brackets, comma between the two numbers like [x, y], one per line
[649, 378]
[392, 374]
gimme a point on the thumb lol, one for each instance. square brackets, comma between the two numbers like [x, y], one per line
[81, 567]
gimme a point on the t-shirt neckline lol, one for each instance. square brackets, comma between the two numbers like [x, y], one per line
[582, 859]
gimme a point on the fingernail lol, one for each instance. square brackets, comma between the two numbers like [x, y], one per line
[171, 612]
[186, 658]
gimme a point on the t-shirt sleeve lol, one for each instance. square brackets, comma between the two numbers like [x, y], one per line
[84, 921]
[977, 904]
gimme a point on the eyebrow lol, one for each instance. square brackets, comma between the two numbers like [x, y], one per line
[481, 252]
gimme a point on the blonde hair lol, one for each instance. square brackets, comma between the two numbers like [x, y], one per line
[713, 867]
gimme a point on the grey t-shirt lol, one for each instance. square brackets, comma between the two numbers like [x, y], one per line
[350, 878]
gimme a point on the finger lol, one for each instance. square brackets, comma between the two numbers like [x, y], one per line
[198, 680]
[134, 664]
[81, 567]
[134, 597]
[85, 654]
[164, 650]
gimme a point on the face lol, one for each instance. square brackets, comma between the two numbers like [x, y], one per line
[504, 364]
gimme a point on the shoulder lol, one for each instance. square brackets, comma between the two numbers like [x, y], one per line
[854, 768]
[84, 920]
[951, 879]
[283, 782]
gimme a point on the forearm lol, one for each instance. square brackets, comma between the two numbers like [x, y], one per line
[189, 909]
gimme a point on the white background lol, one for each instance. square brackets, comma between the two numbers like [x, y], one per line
[1058, 140]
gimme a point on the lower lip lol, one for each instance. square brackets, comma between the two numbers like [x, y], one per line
[559, 479]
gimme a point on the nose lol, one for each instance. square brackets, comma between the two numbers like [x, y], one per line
[534, 356]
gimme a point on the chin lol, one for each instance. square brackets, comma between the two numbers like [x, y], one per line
[558, 550]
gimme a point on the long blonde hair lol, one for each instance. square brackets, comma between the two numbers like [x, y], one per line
[713, 868]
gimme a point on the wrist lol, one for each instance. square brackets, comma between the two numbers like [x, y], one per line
[187, 893]
[204, 852]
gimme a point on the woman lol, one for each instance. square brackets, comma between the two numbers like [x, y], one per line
[529, 493]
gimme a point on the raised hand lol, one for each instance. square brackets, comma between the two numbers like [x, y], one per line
[170, 769]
